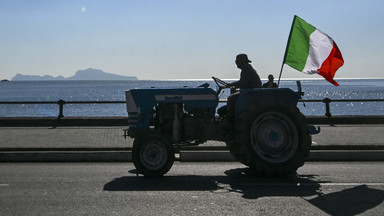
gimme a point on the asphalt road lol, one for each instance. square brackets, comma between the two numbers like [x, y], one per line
[336, 188]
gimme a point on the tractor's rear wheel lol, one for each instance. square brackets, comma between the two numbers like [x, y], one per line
[273, 139]
[152, 155]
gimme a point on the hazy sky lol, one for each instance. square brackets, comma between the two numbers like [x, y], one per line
[181, 39]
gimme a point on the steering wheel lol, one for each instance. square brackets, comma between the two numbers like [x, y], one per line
[221, 84]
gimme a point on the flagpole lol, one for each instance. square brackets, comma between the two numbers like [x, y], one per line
[281, 71]
[285, 54]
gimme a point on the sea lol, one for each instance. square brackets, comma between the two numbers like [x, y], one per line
[70, 91]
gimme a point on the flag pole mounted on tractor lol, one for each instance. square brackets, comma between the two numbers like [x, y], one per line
[285, 54]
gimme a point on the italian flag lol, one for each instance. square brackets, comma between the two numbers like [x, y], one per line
[310, 51]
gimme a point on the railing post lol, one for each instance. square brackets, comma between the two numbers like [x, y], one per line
[61, 106]
[327, 101]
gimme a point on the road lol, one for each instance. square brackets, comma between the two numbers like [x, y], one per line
[336, 188]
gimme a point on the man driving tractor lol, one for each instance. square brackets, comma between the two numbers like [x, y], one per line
[248, 76]
[248, 79]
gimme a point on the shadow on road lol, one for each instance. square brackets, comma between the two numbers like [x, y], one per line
[240, 181]
[350, 201]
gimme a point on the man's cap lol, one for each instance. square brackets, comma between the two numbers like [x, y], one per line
[243, 57]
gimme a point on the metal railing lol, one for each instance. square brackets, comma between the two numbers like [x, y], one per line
[61, 103]
[327, 102]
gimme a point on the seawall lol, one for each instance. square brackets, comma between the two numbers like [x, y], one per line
[123, 121]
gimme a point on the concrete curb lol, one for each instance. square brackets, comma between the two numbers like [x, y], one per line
[317, 155]
[56, 156]
[184, 156]
[347, 155]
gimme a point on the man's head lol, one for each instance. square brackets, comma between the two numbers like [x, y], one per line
[270, 77]
[241, 60]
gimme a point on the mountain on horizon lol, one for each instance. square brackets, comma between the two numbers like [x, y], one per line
[87, 74]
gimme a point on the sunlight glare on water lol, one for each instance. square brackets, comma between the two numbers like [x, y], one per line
[115, 91]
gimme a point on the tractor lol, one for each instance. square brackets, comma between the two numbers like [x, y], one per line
[262, 127]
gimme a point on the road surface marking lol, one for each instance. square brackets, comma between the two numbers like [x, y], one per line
[315, 183]
[4, 185]
[351, 184]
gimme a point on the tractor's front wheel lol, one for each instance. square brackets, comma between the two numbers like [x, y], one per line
[152, 155]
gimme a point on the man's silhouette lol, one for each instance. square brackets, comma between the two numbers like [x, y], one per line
[248, 79]
[270, 83]
[248, 76]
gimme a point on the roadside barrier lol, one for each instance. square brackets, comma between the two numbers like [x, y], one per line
[61, 103]
[61, 120]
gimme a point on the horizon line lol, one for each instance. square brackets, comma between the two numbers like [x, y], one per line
[205, 79]
[287, 79]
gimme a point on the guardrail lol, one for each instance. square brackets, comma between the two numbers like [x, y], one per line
[61, 103]
[327, 102]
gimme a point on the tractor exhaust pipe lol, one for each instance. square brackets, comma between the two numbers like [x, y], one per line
[176, 125]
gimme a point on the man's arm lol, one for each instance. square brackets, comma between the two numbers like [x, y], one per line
[244, 77]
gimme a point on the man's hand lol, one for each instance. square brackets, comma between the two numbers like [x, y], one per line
[233, 90]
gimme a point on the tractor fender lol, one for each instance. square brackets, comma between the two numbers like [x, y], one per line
[250, 96]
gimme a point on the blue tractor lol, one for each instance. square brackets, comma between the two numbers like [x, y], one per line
[262, 128]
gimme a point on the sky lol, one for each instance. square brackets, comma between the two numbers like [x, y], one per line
[181, 39]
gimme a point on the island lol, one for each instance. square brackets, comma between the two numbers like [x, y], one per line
[87, 74]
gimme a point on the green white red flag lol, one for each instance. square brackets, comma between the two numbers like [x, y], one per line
[310, 51]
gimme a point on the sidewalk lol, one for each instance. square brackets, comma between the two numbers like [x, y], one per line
[105, 144]
[112, 137]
